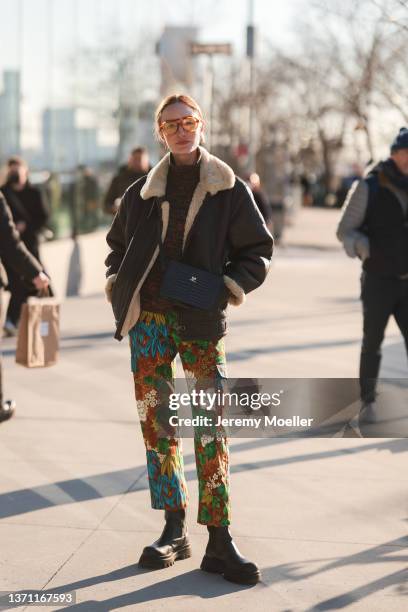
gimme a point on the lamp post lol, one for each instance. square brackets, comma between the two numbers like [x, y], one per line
[50, 83]
[18, 127]
[250, 51]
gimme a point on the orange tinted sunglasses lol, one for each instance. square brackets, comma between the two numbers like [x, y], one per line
[188, 123]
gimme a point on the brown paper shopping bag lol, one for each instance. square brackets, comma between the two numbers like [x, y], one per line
[38, 333]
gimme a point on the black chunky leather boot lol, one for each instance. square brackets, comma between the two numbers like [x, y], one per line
[172, 545]
[223, 557]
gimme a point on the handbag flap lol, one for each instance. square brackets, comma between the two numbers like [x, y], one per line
[191, 285]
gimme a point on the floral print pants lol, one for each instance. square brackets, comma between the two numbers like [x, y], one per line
[154, 343]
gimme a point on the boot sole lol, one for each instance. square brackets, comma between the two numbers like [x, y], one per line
[150, 562]
[216, 566]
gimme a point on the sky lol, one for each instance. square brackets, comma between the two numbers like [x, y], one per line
[40, 35]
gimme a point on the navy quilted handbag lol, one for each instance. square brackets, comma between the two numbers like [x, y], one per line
[192, 286]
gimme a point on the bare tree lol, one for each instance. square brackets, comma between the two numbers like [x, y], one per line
[368, 53]
[115, 80]
[346, 69]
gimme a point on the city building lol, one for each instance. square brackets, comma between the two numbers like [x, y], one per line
[59, 133]
[88, 150]
[176, 61]
[10, 115]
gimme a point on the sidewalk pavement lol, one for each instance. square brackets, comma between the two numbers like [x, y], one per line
[314, 228]
[326, 519]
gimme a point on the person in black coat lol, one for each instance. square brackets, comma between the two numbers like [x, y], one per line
[30, 216]
[138, 165]
[254, 183]
[16, 256]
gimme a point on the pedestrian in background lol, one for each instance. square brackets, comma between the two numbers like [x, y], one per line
[53, 195]
[138, 165]
[374, 227]
[307, 191]
[260, 197]
[84, 201]
[30, 215]
[16, 256]
[190, 208]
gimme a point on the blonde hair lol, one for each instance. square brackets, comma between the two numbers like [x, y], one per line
[173, 99]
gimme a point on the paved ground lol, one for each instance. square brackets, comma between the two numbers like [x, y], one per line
[326, 519]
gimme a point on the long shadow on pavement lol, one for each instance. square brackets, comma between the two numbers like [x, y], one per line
[133, 479]
[232, 355]
[285, 348]
[381, 553]
[194, 582]
[96, 486]
[198, 584]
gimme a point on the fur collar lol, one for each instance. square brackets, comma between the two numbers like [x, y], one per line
[215, 176]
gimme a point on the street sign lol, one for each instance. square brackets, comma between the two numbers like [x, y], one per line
[210, 48]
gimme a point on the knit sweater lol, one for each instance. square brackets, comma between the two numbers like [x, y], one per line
[181, 184]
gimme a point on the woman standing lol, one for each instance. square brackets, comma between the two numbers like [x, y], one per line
[190, 209]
